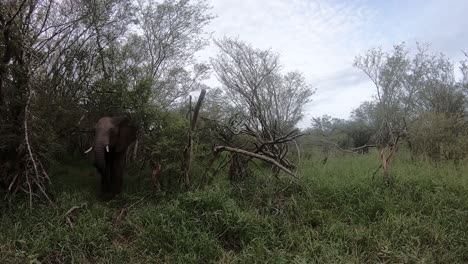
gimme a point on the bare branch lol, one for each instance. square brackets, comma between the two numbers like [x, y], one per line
[254, 155]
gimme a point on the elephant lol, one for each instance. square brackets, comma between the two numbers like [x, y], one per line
[112, 136]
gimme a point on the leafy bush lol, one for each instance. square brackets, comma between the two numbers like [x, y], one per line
[439, 137]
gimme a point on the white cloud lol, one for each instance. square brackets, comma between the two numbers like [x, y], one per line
[321, 38]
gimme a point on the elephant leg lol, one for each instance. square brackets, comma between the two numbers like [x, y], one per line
[118, 168]
[104, 184]
[106, 177]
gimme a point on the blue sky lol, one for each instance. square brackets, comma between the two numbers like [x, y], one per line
[321, 38]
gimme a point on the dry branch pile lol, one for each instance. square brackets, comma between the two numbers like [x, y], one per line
[252, 145]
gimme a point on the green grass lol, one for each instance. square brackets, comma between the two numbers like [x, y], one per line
[336, 213]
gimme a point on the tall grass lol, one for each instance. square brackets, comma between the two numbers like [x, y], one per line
[334, 213]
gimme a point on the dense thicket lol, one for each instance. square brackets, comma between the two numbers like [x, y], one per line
[66, 63]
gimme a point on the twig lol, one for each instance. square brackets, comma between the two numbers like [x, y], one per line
[13, 181]
[82, 117]
[222, 164]
[353, 150]
[44, 172]
[29, 190]
[375, 172]
[16, 13]
[137, 202]
[298, 156]
[71, 210]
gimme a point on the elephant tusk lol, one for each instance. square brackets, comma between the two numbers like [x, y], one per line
[91, 148]
[107, 148]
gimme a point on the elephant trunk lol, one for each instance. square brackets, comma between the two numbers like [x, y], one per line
[100, 159]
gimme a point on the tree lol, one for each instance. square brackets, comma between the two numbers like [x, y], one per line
[173, 31]
[28, 34]
[437, 129]
[409, 89]
[367, 114]
[433, 80]
[464, 71]
[439, 137]
[68, 63]
[389, 74]
[251, 77]
[269, 104]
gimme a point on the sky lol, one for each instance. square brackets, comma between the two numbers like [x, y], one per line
[321, 38]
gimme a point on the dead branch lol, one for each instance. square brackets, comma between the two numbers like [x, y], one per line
[218, 149]
[280, 140]
[352, 151]
[67, 215]
[16, 13]
[26, 134]
[73, 208]
[298, 156]
[188, 153]
[196, 110]
[363, 147]
[37, 180]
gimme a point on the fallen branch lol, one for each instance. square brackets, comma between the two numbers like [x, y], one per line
[67, 215]
[76, 207]
[363, 147]
[218, 149]
[352, 151]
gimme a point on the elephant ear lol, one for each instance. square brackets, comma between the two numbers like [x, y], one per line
[127, 134]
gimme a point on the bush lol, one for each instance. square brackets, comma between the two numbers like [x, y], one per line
[439, 137]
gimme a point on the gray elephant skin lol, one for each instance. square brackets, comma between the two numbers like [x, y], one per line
[112, 136]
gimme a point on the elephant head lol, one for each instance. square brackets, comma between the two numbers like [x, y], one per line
[112, 136]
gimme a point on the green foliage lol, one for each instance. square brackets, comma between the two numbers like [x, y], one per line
[336, 215]
[167, 140]
[346, 134]
[439, 137]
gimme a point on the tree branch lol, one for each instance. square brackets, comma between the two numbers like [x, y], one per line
[218, 149]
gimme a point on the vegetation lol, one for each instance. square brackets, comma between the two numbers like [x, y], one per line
[231, 180]
[337, 214]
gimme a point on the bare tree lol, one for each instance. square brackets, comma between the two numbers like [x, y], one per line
[252, 79]
[269, 103]
[25, 28]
